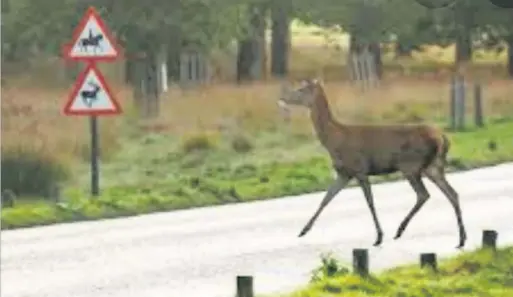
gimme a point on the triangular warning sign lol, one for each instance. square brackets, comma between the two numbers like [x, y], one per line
[92, 41]
[91, 95]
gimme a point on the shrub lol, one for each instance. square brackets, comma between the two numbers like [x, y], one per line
[241, 144]
[8, 199]
[198, 142]
[330, 267]
[28, 172]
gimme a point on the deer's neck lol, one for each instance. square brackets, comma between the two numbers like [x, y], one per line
[322, 117]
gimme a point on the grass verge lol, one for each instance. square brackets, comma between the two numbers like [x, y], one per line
[477, 273]
[204, 173]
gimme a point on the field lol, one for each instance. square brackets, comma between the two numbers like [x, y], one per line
[479, 273]
[223, 143]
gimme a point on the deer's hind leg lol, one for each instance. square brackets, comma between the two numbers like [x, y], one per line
[436, 174]
[340, 182]
[418, 186]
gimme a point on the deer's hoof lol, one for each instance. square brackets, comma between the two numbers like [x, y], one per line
[379, 240]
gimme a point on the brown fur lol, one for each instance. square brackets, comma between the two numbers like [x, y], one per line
[360, 151]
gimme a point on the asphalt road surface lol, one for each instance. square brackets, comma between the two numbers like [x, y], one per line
[198, 253]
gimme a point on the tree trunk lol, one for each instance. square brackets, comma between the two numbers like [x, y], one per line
[173, 55]
[245, 59]
[509, 40]
[463, 20]
[463, 47]
[249, 57]
[258, 26]
[280, 43]
[375, 49]
[355, 46]
[129, 71]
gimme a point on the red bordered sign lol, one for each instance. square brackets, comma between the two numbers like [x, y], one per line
[91, 95]
[92, 41]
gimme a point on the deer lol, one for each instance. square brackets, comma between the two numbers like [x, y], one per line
[88, 96]
[359, 151]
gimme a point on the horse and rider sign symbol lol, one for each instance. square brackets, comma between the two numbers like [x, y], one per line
[91, 40]
[91, 95]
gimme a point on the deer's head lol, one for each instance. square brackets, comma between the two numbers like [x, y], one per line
[304, 95]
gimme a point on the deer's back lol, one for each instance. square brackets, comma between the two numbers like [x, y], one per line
[385, 149]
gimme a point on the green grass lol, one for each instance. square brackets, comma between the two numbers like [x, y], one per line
[164, 173]
[478, 273]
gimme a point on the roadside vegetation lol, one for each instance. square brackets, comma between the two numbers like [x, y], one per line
[477, 273]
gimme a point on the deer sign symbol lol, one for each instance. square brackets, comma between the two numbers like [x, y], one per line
[360, 151]
[89, 96]
[91, 40]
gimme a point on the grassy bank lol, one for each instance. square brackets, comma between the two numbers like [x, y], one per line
[203, 170]
[478, 273]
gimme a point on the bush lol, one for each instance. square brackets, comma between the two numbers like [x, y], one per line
[241, 144]
[330, 267]
[28, 172]
[198, 142]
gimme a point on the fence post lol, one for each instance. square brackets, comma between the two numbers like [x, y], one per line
[429, 260]
[460, 102]
[452, 106]
[361, 262]
[478, 106]
[245, 286]
[490, 239]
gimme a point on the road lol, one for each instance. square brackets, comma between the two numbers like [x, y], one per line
[198, 253]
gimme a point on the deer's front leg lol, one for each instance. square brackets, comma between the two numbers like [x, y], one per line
[366, 187]
[340, 182]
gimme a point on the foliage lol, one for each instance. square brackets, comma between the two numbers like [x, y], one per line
[241, 143]
[31, 173]
[171, 180]
[198, 142]
[477, 273]
[33, 28]
[330, 267]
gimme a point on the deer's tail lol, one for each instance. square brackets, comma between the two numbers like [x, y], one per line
[443, 149]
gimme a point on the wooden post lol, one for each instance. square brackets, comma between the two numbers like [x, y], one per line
[428, 260]
[460, 103]
[478, 106]
[361, 262]
[95, 154]
[452, 107]
[490, 239]
[245, 286]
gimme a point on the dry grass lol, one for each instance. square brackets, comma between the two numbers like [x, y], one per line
[32, 117]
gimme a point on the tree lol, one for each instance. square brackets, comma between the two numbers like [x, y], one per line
[280, 43]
